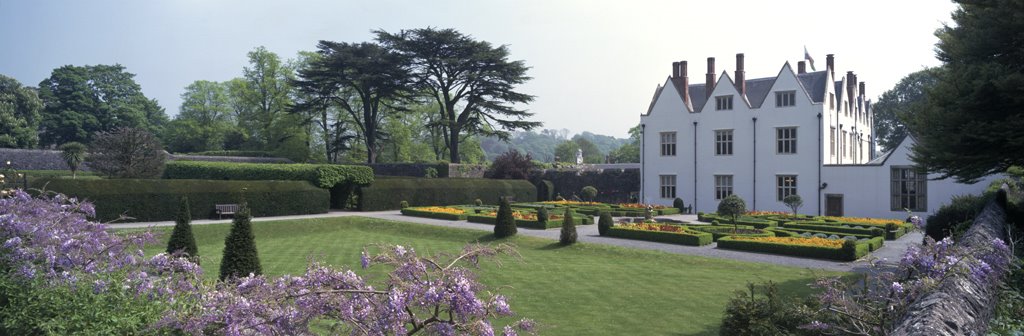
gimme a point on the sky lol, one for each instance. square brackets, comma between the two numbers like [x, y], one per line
[595, 64]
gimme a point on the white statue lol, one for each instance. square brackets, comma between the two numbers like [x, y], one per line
[579, 156]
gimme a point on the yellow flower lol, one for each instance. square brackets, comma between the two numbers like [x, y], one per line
[801, 241]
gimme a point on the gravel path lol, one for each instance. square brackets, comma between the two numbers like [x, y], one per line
[892, 251]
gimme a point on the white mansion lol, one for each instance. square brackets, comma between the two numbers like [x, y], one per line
[799, 132]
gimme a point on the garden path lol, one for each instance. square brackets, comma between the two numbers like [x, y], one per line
[892, 251]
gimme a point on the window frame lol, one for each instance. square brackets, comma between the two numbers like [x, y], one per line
[723, 103]
[832, 142]
[906, 191]
[668, 148]
[723, 146]
[785, 98]
[723, 189]
[786, 140]
[668, 191]
[785, 185]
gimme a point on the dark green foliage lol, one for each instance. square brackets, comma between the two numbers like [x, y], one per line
[430, 172]
[832, 227]
[182, 238]
[604, 223]
[241, 153]
[478, 202]
[240, 255]
[512, 165]
[505, 226]
[127, 153]
[615, 184]
[321, 175]
[794, 202]
[769, 314]
[157, 200]
[732, 206]
[961, 210]
[678, 204]
[404, 204]
[589, 193]
[971, 124]
[850, 249]
[545, 191]
[542, 215]
[899, 104]
[568, 235]
[19, 114]
[688, 237]
[381, 195]
[73, 154]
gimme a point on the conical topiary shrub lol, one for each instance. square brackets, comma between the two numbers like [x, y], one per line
[568, 235]
[604, 223]
[240, 255]
[182, 238]
[542, 216]
[505, 225]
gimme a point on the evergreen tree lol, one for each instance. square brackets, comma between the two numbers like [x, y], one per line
[568, 236]
[542, 216]
[182, 238]
[506, 224]
[604, 223]
[240, 255]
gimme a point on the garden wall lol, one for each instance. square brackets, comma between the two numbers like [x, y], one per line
[961, 306]
[34, 159]
[613, 185]
[388, 193]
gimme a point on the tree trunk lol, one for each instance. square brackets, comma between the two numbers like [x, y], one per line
[453, 145]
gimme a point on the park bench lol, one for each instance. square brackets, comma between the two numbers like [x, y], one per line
[225, 209]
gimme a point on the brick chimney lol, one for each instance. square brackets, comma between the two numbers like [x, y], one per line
[741, 76]
[686, 82]
[801, 67]
[862, 89]
[850, 85]
[709, 81]
[830, 63]
[675, 69]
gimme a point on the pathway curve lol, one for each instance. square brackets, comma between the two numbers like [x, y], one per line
[892, 250]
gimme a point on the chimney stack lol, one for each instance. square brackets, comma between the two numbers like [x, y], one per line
[801, 67]
[830, 62]
[675, 69]
[741, 76]
[850, 85]
[709, 81]
[862, 89]
[686, 82]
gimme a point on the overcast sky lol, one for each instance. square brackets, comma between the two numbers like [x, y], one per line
[595, 64]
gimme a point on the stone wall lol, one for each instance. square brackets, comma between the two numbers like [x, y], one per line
[961, 306]
[34, 159]
[613, 185]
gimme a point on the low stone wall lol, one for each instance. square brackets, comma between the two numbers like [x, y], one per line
[34, 159]
[961, 306]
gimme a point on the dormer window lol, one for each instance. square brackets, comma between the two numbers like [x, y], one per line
[785, 98]
[723, 103]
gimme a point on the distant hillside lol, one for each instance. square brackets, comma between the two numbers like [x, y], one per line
[541, 146]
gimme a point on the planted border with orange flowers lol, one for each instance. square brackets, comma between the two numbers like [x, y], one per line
[662, 233]
[525, 219]
[820, 248]
[436, 212]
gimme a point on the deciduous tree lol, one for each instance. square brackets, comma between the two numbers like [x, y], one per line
[19, 114]
[127, 153]
[898, 104]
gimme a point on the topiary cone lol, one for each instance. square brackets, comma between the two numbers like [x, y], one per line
[568, 236]
[240, 255]
[182, 238]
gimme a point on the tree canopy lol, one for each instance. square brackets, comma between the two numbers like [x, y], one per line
[972, 124]
[897, 104]
[19, 114]
[472, 83]
[79, 101]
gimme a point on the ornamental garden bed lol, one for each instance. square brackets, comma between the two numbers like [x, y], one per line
[435, 212]
[718, 232]
[662, 233]
[528, 219]
[821, 248]
[890, 228]
[832, 228]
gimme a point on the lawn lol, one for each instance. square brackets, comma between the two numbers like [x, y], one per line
[584, 289]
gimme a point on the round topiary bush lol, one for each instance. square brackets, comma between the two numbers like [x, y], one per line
[604, 223]
[678, 204]
[478, 202]
[589, 193]
[404, 204]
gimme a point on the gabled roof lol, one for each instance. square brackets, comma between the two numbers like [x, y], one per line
[654, 100]
[814, 84]
[758, 89]
[839, 92]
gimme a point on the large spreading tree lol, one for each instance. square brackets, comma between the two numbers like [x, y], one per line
[204, 120]
[363, 79]
[472, 82]
[899, 104]
[79, 101]
[19, 114]
[973, 124]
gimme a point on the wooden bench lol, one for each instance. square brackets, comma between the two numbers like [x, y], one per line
[225, 209]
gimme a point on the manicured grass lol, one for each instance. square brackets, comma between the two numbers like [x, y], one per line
[583, 289]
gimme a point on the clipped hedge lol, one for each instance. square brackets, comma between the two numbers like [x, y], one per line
[545, 190]
[719, 231]
[321, 175]
[819, 252]
[234, 153]
[742, 220]
[551, 223]
[157, 200]
[820, 226]
[691, 237]
[436, 215]
[386, 194]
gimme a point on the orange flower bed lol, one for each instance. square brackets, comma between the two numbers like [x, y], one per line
[866, 221]
[527, 216]
[640, 206]
[569, 203]
[766, 213]
[812, 241]
[655, 227]
[447, 210]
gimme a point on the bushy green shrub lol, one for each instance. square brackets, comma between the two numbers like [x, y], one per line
[542, 215]
[381, 195]
[506, 224]
[589, 193]
[732, 206]
[157, 200]
[678, 204]
[604, 223]
[568, 235]
[430, 172]
[321, 175]
[961, 210]
[404, 204]
[794, 202]
[748, 313]
[240, 255]
[478, 202]
[181, 237]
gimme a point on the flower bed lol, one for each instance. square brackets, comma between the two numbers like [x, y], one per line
[832, 228]
[663, 233]
[802, 247]
[759, 223]
[448, 213]
[529, 224]
[718, 232]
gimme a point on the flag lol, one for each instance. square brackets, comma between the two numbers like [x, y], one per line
[807, 56]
